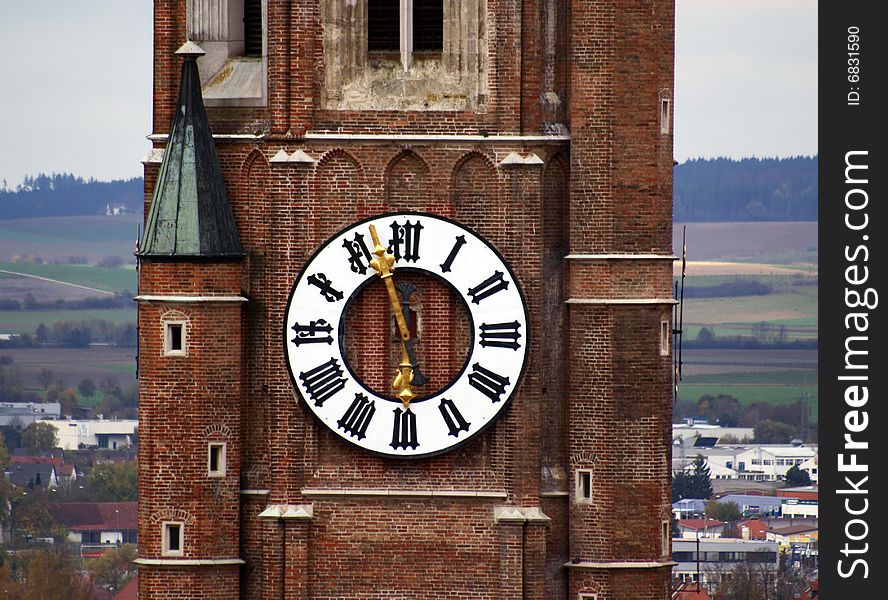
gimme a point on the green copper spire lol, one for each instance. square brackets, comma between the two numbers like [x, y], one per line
[190, 216]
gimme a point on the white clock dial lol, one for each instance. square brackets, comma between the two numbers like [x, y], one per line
[497, 350]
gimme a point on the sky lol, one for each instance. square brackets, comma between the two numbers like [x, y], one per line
[75, 83]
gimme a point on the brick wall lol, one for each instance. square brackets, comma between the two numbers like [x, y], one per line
[595, 395]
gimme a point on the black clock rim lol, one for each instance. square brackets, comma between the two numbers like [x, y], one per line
[507, 403]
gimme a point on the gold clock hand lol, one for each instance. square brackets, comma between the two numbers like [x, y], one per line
[384, 264]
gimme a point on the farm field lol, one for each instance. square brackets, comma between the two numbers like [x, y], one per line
[772, 242]
[26, 321]
[781, 255]
[74, 364]
[56, 238]
[98, 278]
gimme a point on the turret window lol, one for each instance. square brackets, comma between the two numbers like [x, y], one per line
[174, 343]
[584, 486]
[173, 538]
[216, 459]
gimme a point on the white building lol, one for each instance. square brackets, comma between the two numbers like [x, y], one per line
[754, 462]
[687, 434]
[719, 557]
[111, 434]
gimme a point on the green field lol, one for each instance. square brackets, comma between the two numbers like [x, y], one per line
[111, 280]
[85, 228]
[747, 394]
[26, 321]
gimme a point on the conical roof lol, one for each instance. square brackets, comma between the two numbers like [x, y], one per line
[190, 215]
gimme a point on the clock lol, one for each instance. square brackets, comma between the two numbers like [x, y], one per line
[410, 416]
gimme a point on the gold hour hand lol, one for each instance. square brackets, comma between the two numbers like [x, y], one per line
[384, 264]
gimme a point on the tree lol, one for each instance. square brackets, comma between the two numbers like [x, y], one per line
[40, 437]
[114, 482]
[702, 478]
[45, 378]
[10, 589]
[795, 477]
[773, 432]
[87, 388]
[705, 335]
[51, 576]
[4, 452]
[695, 484]
[723, 511]
[114, 568]
[42, 336]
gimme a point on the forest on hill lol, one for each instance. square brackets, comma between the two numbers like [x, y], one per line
[63, 195]
[714, 190]
[751, 189]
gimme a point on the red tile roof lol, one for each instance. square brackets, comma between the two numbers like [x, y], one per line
[758, 530]
[700, 523]
[37, 460]
[97, 516]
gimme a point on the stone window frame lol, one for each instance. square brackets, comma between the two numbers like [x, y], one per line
[217, 27]
[456, 79]
[168, 324]
[579, 490]
[664, 337]
[587, 596]
[406, 35]
[222, 459]
[166, 527]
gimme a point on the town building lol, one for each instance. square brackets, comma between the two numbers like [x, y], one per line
[752, 462]
[708, 561]
[109, 434]
[307, 431]
[25, 413]
[95, 527]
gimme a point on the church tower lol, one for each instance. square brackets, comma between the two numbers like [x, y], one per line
[405, 296]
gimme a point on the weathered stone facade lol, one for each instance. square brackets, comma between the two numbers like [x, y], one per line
[539, 126]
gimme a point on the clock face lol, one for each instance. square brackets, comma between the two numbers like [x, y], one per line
[475, 348]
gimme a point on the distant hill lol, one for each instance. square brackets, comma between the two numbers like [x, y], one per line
[720, 189]
[62, 195]
[751, 189]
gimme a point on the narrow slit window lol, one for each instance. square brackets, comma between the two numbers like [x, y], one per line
[664, 338]
[667, 538]
[664, 115]
[584, 485]
[216, 459]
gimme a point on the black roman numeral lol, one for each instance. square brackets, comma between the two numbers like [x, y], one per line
[323, 381]
[320, 281]
[460, 241]
[493, 284]
[356, 419]
[500, 335]
[405, 240]
[313, 333]
[404, 430]
[452, 417]
[358, 253]
[487, 382]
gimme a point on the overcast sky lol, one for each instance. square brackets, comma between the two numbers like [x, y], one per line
[75, 83]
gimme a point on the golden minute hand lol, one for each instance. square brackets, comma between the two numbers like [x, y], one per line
[384, 264]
